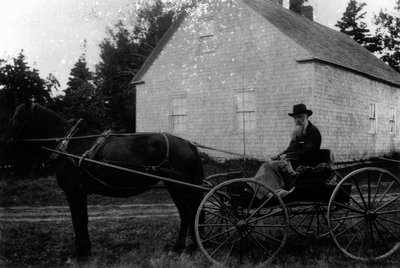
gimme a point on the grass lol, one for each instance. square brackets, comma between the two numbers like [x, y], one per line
[144, 243]
[134, 242]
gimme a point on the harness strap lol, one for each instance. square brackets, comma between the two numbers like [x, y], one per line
[95, 147]
[166, 159]
[62, 146]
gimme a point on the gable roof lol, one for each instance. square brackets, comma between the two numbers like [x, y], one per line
[323, 43]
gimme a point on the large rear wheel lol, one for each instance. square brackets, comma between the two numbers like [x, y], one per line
[241, 221]
[364, 214]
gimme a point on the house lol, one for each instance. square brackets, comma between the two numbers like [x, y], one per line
[227, 74]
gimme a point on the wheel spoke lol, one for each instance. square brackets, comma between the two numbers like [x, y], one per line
[260, 207]
[351, 227]
[225, 207]
[220, 216]
[384, 194]
[388, 212]
[301, 221]
[230, 250]
[371, 234]
[264, 216]
[212, 228]
[309, 224]
[387, 204]
[348, 207]
[369, 191]
[217, 225]
[218, 235]
[380, 235]
[354, 237]
[377, 188]
[223, 243]
[388, 231]
[270, 237]
[252, 200]
[361, 194]
[260, 245]
[348, 217]
[362, 241]
[389, 220]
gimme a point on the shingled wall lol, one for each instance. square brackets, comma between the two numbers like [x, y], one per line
[251, 53]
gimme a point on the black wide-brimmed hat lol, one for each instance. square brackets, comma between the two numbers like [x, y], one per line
[300, 109]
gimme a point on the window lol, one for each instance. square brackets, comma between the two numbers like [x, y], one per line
[206, 35]
[245, 107]
[178, 113]
[372, 118]
[392, 120]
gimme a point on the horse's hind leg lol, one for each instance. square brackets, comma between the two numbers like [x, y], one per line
[77, 200]
[196, 198]
[179, 196]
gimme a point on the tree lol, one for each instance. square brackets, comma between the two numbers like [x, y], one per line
[295, 5]
[81, 99]
[20, 83]
[351, 24]
[388, 36]
[122, 55]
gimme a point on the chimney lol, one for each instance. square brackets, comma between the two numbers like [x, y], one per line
[307, 11]
[279, 2]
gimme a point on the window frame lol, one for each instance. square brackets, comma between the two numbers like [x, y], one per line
[173, 114]
[392, 120]
[206, 33]
[373, 118]
[245, 110]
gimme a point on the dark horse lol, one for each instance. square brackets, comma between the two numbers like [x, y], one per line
[155, 153]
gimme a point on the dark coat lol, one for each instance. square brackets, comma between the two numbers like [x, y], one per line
[303, 151]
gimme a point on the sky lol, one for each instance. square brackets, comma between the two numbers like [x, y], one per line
[52, 32]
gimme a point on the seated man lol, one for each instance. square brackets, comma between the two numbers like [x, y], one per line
[304, 145]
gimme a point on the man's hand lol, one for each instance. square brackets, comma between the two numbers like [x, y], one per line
[279, 157]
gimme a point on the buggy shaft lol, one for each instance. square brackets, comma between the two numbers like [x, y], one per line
[165, 179]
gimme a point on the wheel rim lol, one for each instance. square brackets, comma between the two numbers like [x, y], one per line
[366, 205]
[237, 231]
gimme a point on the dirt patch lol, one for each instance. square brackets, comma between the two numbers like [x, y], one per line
[62, 213]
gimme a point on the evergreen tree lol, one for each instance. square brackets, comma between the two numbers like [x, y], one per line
[123, 54]
[81, 99]
[351, 24]
[388, 36]
[20, 83]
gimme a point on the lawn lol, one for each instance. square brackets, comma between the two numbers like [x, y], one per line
[135, 242]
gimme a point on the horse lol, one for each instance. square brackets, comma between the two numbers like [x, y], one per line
[161, 154]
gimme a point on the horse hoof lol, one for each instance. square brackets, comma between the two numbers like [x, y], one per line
[191, 249]
[72, 261]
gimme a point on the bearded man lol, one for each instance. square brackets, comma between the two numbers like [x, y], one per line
[280, 172]
[306, 139]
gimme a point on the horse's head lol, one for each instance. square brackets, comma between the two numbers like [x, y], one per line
[30, 121]
[21, 123]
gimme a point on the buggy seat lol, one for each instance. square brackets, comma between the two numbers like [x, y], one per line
[312, 183]
[320, 169]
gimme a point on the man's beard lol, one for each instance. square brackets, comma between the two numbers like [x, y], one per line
[298, 131]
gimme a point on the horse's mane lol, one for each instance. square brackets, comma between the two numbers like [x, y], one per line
[49, 113]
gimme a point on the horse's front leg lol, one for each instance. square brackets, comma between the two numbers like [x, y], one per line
[77, 200]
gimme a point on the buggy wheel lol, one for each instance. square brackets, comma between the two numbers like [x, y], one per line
[309, 219]
[364, 214]
[241, 221]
